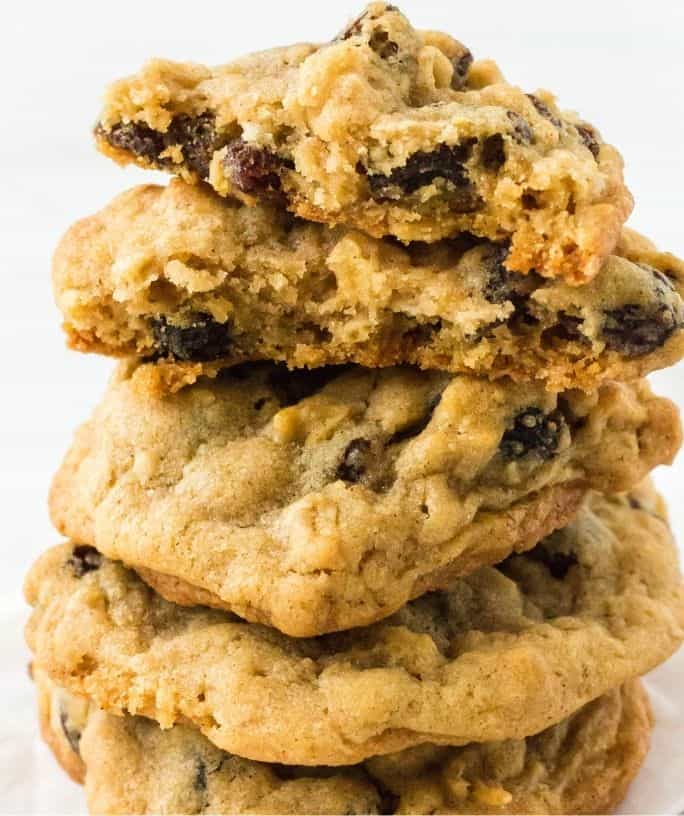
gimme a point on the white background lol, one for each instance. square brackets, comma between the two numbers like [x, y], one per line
[621, 64]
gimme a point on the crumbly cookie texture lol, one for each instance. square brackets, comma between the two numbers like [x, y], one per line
[319, 500]
[387, 129]
[198, 283]
[582, 765]
[500, 654]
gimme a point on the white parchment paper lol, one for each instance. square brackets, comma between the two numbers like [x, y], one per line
[32, 783]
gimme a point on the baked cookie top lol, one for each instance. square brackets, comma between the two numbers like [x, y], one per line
[582, 765]
[178, 275]
[320, 500]
[500, 654]
[387, 129]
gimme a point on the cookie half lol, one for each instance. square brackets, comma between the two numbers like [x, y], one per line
[501, 654]
[320, 500]
[198, 283]
[582, 765]
[386, 129]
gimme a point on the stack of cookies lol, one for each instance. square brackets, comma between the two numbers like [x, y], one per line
[362, 523]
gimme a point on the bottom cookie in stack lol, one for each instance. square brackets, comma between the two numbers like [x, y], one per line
[584, 764]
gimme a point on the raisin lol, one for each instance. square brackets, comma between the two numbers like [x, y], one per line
[354, 460]
[203, 339]
[588, 136]
[634, 503]
[380, 42]
[84, 559]
[291, 387]
[198, 140]
[419, 425]
[136, 138]
[492, 153]
[255, 170]
[557, 563]
[461, 65]
[422, 168]
[522, 132]
[544, 110]
[567, 328]
[533, 432]
[633, 330]
[196, 136]
[502, 286]
[73, 735]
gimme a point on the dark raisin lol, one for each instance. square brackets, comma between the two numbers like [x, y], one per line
[73, 735]
[201, 340]
[354, 460]
[588, 135]
[522, 132]
[492, 153]
[503, 286]
[253, 169]
[634, 503]
[196, 136]
[633, 330]
[198, 140]
[422, 168]
[543, 110]
[557, 563]
[419, 425]
[84, 559]
[136, 138]
[461, 65]
[291, 387]
[380, 42]
[199, 781]
[533, 432]
[259, 404]
[567, 328]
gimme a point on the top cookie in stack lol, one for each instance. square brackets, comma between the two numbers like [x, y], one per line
[387, 129]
